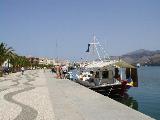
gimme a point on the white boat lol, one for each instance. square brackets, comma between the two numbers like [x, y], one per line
[106, 76]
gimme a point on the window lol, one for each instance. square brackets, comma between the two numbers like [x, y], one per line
[97, 74]
[91, 72]
[105, 74]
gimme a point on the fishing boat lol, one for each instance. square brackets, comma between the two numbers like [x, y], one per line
[106, 76]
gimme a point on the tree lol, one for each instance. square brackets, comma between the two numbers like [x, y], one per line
[18, 62]
[14, 61]
[5, 53]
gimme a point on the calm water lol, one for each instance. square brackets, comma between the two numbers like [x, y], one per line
[146, 98]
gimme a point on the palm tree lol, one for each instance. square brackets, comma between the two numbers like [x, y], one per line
[18, 62]
[5, 53]
[23, 61]
[15, 62]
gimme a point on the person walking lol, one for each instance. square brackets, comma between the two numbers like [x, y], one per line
[64, 70]
[44, 69]
[22, 70]
[57, 68]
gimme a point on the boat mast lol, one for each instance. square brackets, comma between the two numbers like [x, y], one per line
[95, 47]
[94, 44]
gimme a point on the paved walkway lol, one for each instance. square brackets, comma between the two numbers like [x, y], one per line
[37, 95]
[25, 97]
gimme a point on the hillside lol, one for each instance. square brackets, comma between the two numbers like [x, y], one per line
[144, 57]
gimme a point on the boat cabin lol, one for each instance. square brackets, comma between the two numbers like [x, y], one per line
[101, 76]
[105, 73]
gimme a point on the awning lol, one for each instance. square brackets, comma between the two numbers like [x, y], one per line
[117, 63]
[123, 64]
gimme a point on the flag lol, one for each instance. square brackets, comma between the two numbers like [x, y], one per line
[88, 48]
[129, 79]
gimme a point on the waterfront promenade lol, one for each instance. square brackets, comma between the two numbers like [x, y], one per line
[37, 95]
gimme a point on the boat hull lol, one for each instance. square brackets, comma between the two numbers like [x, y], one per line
[107, 90]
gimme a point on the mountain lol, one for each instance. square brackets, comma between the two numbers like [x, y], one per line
[142, 56]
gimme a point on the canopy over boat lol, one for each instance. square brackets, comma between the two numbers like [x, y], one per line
[123, 64]
[109, 63]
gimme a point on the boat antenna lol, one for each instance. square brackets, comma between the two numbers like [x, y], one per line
[56, 51]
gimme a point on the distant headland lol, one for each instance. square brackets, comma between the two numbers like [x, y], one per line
[143, 57]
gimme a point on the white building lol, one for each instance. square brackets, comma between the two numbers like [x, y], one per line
[46, 61]
[6, 64]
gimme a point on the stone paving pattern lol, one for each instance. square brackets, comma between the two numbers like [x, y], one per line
[25, 97]
[37, 95]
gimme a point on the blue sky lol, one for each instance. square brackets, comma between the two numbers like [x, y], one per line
[32, 27]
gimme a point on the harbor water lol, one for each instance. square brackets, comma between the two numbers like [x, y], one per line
[146, 97]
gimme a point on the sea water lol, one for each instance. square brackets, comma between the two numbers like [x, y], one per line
[146, 97]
